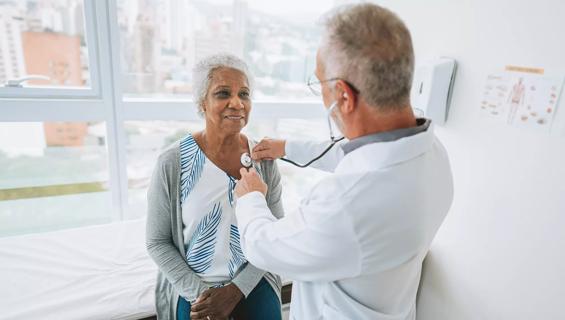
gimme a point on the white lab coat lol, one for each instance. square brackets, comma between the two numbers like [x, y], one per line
[355, 246]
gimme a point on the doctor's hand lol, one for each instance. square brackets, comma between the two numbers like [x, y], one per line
[250, 181]
[268, 149]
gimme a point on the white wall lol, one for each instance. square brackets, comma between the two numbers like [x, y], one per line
[501, 251]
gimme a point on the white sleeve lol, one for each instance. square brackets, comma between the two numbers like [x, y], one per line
[314, 243]
[304, 151]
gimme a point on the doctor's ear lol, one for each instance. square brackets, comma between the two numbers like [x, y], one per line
[342, 90]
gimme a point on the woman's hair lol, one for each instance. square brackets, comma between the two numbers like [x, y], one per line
[371, 47]
[203, 72]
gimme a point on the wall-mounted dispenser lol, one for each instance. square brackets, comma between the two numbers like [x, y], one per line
[431, 88]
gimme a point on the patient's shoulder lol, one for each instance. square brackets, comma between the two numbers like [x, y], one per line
[169, 158]
[270, 171]
[170, 151]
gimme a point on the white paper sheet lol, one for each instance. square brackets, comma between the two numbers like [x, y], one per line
[98, 272]
[521, 99]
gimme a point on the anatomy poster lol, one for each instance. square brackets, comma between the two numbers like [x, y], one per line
[522, 98]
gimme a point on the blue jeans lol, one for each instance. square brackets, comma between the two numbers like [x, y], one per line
[261, 304]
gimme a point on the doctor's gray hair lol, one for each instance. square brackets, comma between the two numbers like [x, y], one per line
[371, 48]
[203, 72]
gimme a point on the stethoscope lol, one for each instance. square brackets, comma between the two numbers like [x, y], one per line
[247, 162]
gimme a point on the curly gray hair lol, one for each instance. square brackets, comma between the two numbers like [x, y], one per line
[203, 72]
[370, 47]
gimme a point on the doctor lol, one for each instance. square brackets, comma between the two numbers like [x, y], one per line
[354, 247]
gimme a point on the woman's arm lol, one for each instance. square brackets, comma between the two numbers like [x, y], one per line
[248, 278]
[274, 191]
[159, 237]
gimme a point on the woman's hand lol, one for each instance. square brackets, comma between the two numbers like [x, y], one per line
[250, 181]
[268, 149]
[216, 303]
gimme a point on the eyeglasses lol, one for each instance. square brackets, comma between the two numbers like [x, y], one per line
[315, 85]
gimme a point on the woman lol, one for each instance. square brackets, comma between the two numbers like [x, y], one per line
[191, 230]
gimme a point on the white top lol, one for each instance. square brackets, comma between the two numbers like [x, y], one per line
[211, 237]
[355, 245]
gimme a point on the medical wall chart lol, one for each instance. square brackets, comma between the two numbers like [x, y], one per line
[521, 97]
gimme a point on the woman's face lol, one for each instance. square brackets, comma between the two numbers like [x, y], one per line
[228, 102]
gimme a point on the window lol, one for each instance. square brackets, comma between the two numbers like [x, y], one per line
[54, 175]
[160, 41]
[46, 41]
[75, 150]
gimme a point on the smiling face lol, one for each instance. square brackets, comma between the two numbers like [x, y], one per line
[228, 101]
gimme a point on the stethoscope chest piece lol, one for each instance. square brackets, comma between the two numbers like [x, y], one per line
[246, 160]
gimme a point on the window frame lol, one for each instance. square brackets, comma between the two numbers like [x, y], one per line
[69, 92]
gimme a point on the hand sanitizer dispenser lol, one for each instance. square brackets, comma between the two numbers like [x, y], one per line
[431, 88]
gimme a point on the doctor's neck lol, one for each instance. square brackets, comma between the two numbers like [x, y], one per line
[367, 120]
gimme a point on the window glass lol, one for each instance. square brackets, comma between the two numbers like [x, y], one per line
[161, 41]
[44, 38]
[53, 175]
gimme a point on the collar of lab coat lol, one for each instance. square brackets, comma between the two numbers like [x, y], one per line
[387, 136]
[379, 155]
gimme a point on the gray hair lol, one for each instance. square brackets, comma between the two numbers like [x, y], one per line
[204, 70]
[371, 48]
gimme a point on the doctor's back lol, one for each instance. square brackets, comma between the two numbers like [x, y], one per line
[384, 203]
